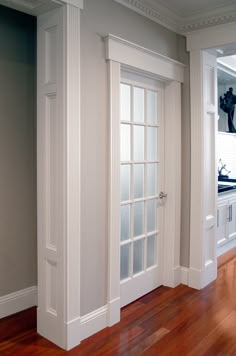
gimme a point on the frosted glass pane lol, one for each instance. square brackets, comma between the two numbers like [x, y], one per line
[151, 215]
[125, 222]
[138, 143]
[138, 219]
[138, 181]
[151, 250]
[138, 104]
[125, 182]
[124, 261]
[124, 102]
[151, 179]
[151, 143]
[125, 142]
[138, 256]
[151, 107]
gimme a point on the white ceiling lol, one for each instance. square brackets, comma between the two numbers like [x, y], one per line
[183, 16]
[226, 70]
[31, 7]
[191, 7]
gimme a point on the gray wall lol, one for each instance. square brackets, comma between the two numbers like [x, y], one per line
[98, 19]
[18, 258]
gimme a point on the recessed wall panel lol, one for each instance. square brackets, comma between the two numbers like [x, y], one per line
[210, 85]
[210, 164]
[51, 54]
[51, 289]
[54, 169]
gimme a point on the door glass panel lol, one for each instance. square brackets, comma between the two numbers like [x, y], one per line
[138, 104]
[151, 107]
[124, 261]
[139, 185]
[125, 102]
[138, 143]
[138, 254]
[151, 215]
[151, 143]
[125, 222]
[151, 250]
[151, 179]
[125, 182]
[138, 181]
[138, 219]
[125, 142]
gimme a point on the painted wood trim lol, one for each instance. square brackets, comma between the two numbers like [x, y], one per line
[15, 302]
[184, 275]
[93, 322]
[61, 326]
[172, 183]
[72, 131]
[128, 53]
[197, 169]
[173, 179]
[203, 264]
[51, 259]
[114, 191]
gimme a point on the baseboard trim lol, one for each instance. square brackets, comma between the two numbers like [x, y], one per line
[93, 322]
[113, 315]
[199, 279]
[18, 301]
[73, 333]
[184, 275]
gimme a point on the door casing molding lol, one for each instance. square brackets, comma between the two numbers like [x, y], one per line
[144, 62]
[202, 45]
[58, 171]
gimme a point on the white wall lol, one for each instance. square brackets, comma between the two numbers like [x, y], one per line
[18, 225]
[98, 19]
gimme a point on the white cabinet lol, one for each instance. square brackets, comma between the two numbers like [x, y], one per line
[226, 218]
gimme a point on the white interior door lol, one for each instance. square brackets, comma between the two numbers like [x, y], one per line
[141, 182]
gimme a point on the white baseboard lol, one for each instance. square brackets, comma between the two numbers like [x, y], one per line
[93, 322]
[18, 301]
[199, 279]
[177, 276]
[184, 275]
[73, 333]
[113, 316]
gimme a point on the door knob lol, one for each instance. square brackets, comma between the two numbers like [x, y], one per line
[162, 195]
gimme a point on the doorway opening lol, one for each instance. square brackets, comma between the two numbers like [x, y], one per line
[226, 153]
[18, 182]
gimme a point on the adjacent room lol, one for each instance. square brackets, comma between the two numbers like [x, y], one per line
[226, 154]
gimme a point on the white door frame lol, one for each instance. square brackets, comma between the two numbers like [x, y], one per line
[58, 138]
[148, 63]
[202, 269]
[58, 31]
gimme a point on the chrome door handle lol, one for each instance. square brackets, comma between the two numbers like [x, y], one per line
[162, 195]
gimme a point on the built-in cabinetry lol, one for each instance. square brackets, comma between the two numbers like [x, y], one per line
[226, 218]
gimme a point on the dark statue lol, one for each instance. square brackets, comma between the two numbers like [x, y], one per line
[227, 104]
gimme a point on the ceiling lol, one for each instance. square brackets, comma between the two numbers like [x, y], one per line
[226, 73]
[31, 7]
[190, 7]
[183, 16]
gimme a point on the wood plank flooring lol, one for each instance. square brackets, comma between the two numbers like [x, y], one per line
[178, 322]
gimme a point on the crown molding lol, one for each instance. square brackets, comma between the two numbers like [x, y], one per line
[182, 24]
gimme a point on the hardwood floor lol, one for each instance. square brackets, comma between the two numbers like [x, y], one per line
[180, 321]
